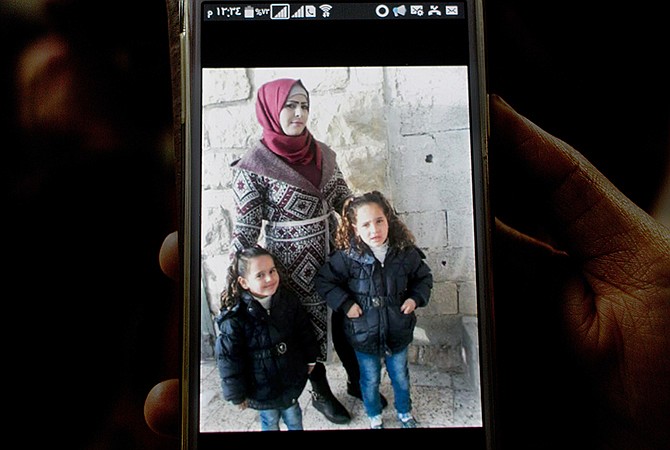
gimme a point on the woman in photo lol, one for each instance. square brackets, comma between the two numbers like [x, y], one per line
[287, 189]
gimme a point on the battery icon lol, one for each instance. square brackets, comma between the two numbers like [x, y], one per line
[249, 12]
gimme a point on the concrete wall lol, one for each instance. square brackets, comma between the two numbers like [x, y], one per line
[401, 130]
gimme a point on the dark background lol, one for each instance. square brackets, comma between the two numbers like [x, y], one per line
[87, 330]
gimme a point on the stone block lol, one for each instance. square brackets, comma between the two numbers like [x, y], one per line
[443, 301]
[230, 127]
[471, 352]
[225, 86]
[454, 264]
[216, 170]
[467, 298]
[461, 226]
[460, 264]
[429, 228]
[432, 102]
[364, 168]
[437, 343]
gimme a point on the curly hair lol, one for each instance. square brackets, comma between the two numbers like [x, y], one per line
[399, 235]
[239, 267]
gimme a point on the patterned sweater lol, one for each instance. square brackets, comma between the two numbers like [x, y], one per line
[282, 210]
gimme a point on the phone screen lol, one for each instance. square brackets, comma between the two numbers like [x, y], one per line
[396, 96]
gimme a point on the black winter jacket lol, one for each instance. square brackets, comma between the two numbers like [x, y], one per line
[263, 357]
[380, 290]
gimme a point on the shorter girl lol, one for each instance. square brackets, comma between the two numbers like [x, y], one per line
[377, 277]
[266, 347]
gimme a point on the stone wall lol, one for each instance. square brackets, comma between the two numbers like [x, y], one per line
[401, 130]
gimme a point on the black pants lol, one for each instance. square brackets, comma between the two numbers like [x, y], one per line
[344, 350]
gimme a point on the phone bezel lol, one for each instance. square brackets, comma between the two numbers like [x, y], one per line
[190, 234]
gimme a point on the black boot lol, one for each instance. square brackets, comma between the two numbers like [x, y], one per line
[323, 399]
[354, 389]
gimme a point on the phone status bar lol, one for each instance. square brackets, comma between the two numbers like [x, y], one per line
[332, 11]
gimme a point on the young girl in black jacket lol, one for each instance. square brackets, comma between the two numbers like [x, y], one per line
[266, 347]
[377, 277]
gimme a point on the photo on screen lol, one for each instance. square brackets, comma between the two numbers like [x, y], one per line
[401, 130]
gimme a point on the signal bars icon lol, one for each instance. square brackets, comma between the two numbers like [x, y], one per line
[304, 11]
[281, 11]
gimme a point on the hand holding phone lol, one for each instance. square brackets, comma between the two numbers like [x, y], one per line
[514, 248]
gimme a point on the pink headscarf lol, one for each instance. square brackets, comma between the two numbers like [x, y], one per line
[270, 100]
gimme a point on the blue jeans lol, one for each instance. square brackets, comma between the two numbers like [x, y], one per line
[292, 417]
[398, 370]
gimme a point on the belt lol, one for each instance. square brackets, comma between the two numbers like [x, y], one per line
[300, 223]
[277, 350]
[377, 301]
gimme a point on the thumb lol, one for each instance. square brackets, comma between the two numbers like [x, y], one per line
[587, 213]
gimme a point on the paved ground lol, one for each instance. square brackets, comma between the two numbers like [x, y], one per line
[439, 400]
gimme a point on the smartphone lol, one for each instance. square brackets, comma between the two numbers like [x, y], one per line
[397, 93]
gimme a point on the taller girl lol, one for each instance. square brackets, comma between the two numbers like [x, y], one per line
[378, 277]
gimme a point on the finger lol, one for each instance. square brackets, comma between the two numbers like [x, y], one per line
[521, 247]
[589, 215]
[523, 264]
[168, 256]
[161, 408]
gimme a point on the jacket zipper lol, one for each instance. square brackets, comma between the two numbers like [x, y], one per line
[383, 311]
